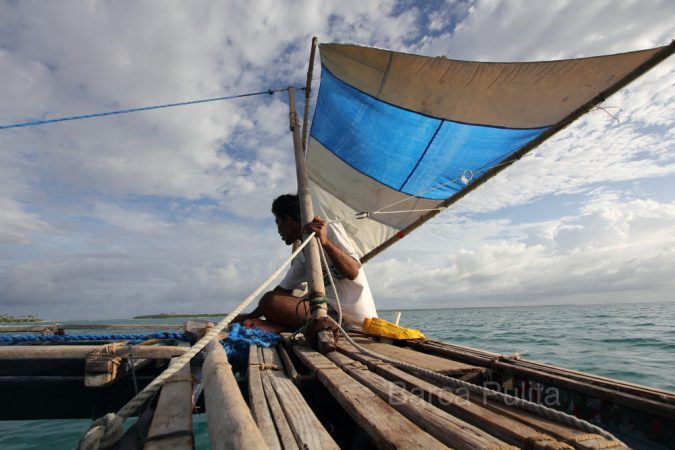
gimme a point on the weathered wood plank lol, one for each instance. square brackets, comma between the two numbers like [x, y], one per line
[424, 360]
[195, 329]
[307, 429]
[577, 438]
[258, 402]
[283, 427]
[230, 424]
[620, 392]
[271, 358]
[446, 428]
[288, 364]
[20, 352]
[101, 366]
[505, 428]
[171, 426]
[386, 427]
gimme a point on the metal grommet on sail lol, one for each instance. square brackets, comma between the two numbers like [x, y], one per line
[467, 176]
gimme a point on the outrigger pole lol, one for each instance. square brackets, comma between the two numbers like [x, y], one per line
[319, 331]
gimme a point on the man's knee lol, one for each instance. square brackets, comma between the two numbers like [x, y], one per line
[266, 301]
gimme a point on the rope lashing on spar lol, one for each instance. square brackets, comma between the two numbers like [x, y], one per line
[55, 338]
[105, 431]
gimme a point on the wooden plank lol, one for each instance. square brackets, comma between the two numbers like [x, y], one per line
[386, 427]
[424, 360]
[580, 440]
[101, 367]
[258, 403]
[283, 427]
[171, 426]
[230, 424]
[20, 352]
[288, 364]
[308, 431]
[626, 392]
[438, 423]
[505, 428]
[195, 329]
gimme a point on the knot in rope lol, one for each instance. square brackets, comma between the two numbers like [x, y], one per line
[104, 433]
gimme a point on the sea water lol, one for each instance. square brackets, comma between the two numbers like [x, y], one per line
[631, 342]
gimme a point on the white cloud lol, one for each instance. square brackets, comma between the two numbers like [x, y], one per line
[169, 209]
[610, 250]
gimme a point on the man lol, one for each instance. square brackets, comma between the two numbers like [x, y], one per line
[283, 310]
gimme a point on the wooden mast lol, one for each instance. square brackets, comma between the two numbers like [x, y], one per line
[320, 329]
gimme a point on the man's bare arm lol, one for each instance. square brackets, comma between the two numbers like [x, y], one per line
[344, 263]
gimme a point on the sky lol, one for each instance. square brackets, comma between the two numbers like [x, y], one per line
[168, 210]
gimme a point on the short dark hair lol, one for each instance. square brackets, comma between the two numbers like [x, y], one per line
[287, 205]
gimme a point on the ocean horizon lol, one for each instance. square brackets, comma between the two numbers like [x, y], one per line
[633, 342]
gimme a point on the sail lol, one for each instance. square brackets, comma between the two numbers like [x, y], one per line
[398, 136]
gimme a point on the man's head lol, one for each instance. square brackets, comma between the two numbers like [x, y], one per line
[286, 210]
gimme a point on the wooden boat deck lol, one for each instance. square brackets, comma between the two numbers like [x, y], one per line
[291, 396]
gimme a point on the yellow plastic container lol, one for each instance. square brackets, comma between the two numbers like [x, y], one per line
[379, 327]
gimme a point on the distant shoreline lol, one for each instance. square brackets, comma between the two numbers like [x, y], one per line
[176, 316]
[6, 318]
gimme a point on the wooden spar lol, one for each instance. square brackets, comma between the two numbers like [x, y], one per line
[308, 92]
[230, 423]
[171, 426]
[19, 352]
[656, 58]
[89, 326]
[325, 338]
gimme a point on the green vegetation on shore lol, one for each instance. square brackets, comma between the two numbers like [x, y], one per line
[29, 318]
[173, 316]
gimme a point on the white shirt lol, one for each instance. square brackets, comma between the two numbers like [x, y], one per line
[355, 297]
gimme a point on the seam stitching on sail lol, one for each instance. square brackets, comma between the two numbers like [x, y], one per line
[424, 153]
[385, 75]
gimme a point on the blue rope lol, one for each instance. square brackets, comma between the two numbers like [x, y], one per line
[144, 108]
[132, 338]
[240, 338]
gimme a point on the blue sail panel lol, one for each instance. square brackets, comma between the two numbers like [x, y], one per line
[407, 151]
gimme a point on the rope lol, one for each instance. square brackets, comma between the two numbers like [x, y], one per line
[107, 430]
[529, 406]
[142, 108]
[324, 259]
[132, 338]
